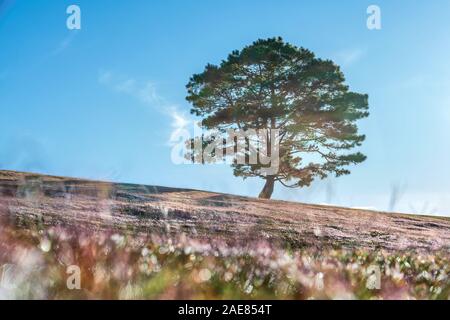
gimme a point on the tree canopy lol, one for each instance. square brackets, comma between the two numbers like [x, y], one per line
[274, 85]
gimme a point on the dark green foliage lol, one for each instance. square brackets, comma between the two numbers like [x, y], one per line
[274, 85]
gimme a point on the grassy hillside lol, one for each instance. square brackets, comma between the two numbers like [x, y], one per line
[134, 241]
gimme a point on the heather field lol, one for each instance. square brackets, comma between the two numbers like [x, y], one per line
[137, 242]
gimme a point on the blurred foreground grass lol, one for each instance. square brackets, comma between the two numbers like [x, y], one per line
[34, 262]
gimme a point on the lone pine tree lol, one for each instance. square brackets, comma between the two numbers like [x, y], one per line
[270, 85]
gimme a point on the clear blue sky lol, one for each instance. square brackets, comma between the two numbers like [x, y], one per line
[102, 102]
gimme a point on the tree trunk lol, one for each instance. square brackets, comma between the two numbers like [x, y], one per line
[267, 191]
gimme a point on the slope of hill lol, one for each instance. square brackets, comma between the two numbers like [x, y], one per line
[144, 209]
[134, 241]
